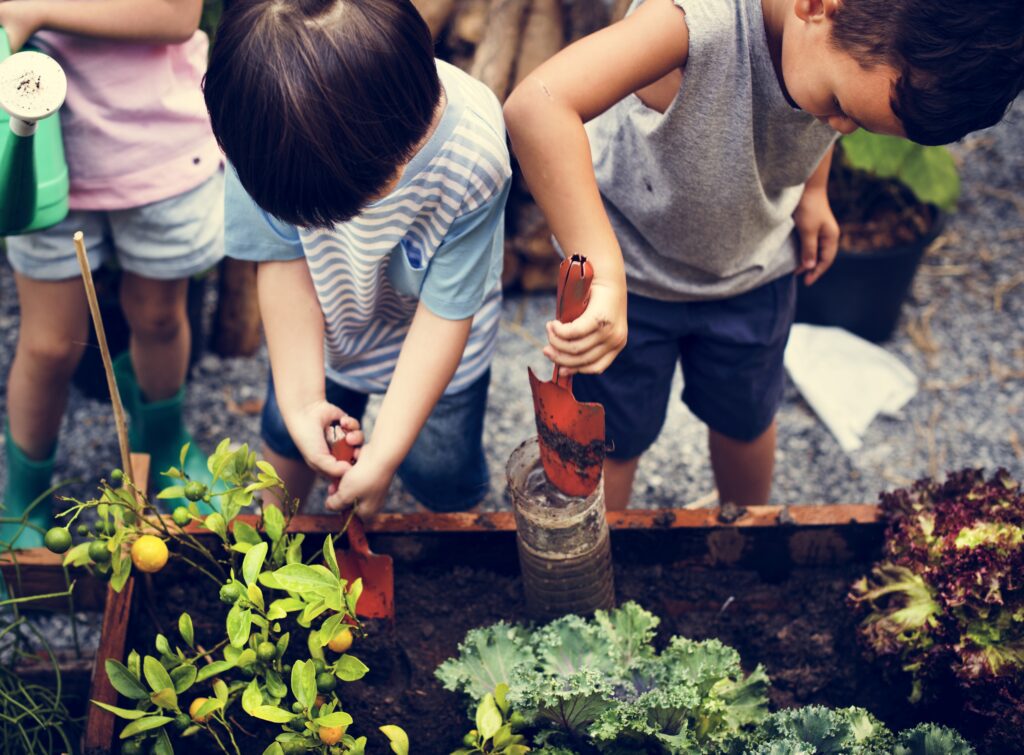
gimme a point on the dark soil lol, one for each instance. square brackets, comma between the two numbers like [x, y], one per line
[796, 625]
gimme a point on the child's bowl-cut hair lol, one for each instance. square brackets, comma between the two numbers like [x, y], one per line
[317, 103]
[960, 62]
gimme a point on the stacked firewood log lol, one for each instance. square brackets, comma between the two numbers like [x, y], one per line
[499, 42]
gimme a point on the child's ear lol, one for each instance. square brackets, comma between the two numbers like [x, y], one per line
[815, 10]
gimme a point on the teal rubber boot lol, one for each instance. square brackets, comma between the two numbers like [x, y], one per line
[27, 482]
[157, 428]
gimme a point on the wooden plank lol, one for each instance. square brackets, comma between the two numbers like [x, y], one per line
[99, 726]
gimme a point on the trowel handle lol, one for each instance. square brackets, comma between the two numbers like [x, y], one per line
[572, 298]
[342, 451]
[574, 277]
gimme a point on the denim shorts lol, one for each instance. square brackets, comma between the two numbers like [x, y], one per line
[446, 468]
[731, 354]
[166, 240]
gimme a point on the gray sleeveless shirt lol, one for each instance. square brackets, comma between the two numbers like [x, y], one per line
[701, 197]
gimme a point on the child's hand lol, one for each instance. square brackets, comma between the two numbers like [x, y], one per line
[20, 21]
[591, 342]
[364, 486]
[308, 430]
[819, 235]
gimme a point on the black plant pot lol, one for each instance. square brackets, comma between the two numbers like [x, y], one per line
[863, 292]
[89, 377]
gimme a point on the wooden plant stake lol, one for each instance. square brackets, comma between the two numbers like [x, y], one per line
[108, 368]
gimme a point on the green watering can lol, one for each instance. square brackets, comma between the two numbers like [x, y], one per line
[33, 173]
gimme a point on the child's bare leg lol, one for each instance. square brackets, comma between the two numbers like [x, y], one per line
[161, 339]
[743, 470]
[52, 334]
[298, 478]
[618, 482]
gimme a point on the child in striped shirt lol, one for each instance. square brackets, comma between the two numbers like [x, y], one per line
[369, 184]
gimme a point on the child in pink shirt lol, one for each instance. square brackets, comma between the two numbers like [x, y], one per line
[146, 189]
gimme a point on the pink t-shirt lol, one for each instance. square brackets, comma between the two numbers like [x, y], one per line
[134, 123]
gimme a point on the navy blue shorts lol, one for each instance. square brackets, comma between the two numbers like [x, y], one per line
[731, 354]
[446, 468]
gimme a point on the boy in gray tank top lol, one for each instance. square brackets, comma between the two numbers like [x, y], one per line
[699, 183]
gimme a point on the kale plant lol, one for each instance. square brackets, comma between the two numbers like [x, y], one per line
[600, 686]
[946, 605]
[816, 730]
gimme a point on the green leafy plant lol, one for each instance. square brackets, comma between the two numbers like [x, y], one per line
[496, 727]
[600, 685]
[946, 605]
[816, 730]
[274, 663]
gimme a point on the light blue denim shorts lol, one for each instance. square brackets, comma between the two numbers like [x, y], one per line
[166, 240]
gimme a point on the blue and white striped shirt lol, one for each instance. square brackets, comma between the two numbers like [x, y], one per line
[438, 238]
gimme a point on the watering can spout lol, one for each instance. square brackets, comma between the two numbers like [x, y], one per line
[33, 174]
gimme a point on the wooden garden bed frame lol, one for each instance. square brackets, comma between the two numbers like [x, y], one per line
[779, 536]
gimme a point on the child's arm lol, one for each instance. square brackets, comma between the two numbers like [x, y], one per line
[545, 116]
[816, 225]
[294, 327]
[161, 21]
[428, 360]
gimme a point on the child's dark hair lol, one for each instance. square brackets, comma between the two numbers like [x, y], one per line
[960, 63]
[317, 103]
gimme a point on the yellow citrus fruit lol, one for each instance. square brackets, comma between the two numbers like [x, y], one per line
[194, 708]
[341, 641]
[149, 553]
[331, 735]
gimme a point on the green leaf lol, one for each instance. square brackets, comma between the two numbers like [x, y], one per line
[162, 645]
[255, 594]
[330, 558]
[282, 606]
[398, 738]
[131, 715]
[348, 668]
[165, 698]
[487, 657]
[212, 669]
[274, 749]
[271, 713]
[330, 627]
[355, 591]
[184, 677]
[311, 611]
[273, 522]
[338, 718]
[488, 717]
[122, 570]
[275, 685]
[239, 624]
[302, 579]
[304, 682]
[215, 523]
[253, 562]
[252, 698]
[185, 629]
[220, 689]
[156, 674]
[211, 704]
[293, 554]
[124, 681]
[246, 533]
[78, 555]
[144, 724]
[174, 491]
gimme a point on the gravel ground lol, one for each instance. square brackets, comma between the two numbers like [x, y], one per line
[970, 359]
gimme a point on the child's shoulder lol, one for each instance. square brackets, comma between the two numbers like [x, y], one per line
[479, 107]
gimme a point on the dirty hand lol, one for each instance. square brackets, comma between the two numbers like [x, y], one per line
[20, 20]
[591, 342]
[819, 235]
[308, 428]
[364, 486]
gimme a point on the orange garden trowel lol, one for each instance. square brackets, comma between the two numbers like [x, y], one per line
[570, 433]
[359, 562]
